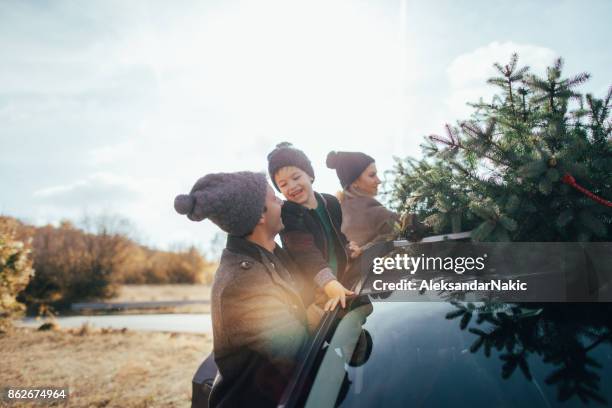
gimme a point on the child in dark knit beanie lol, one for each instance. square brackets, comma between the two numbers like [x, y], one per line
[313, 221]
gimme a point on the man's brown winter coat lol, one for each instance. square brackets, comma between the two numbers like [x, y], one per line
[259, 326]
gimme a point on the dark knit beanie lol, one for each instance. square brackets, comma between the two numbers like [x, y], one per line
[286, 155]
[233, 201]
[348, 165]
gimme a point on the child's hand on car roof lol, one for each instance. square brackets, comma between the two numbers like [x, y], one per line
[336, 293]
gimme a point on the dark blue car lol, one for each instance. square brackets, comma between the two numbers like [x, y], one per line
[440, 354]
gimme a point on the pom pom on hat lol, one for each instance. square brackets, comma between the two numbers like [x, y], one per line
[183, 203]
[332, 160]
[284, 144]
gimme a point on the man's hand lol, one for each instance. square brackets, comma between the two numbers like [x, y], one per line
[336, 293]
[354, 249]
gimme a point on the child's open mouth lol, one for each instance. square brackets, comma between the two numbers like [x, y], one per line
[296, 193]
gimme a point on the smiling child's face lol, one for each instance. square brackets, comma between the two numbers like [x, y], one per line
[294, 183]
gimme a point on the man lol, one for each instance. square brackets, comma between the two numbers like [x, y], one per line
[259, 320]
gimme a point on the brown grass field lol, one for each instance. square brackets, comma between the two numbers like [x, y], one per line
[104, 368]
[165, 292]
[147, 293]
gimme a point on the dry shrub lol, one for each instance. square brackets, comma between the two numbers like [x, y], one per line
[15, 271]
[53, 326]
[74, 265]
[85, 329]
[162, 267]
[89, 262]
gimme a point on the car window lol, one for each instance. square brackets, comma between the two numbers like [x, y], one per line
[395, 354]
[341, 351]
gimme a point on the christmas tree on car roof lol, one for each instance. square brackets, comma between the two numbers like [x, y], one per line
[533, 164]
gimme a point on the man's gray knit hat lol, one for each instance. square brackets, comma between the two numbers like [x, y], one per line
[233, 201]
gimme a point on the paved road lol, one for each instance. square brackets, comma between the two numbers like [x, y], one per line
[183, 323]
[135, 305]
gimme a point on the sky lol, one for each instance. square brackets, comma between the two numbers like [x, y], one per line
[115, 107]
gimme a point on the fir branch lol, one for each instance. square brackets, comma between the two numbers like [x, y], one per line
[576, 80]
[452, 139]
[517, 76]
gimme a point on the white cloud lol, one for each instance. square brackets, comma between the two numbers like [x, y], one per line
[467, 74]
[99, 190]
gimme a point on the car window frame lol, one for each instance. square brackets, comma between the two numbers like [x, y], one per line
[296, 388]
